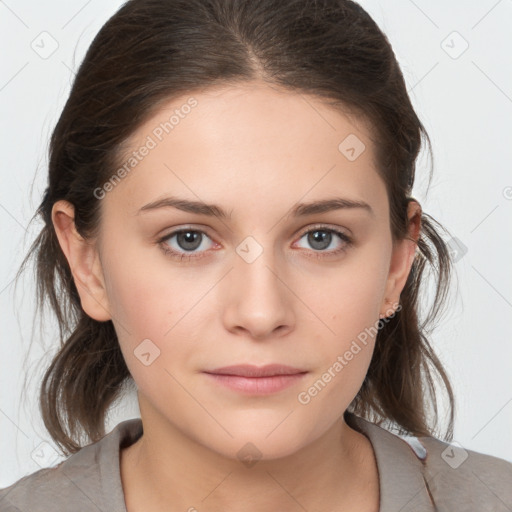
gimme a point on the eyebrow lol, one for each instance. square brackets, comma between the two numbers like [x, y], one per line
[299, 210]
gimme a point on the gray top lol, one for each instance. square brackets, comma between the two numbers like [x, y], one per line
[415, 475]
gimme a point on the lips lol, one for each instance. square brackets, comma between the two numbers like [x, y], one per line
[247, 370]
[256, 380]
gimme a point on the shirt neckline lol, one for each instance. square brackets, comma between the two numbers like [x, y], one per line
[401, 483]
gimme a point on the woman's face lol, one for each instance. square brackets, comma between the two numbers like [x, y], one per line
[267, 281]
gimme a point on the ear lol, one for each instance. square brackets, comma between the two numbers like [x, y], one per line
[402, 259]
[84, 262]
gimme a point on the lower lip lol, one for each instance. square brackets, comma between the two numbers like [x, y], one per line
[257, 385]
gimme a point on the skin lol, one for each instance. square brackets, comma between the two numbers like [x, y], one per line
[255, 151]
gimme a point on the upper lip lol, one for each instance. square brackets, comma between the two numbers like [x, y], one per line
[248, 370]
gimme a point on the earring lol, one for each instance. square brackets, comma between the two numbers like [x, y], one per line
[382, 315]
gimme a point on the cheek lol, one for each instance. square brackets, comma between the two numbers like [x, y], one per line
[146, 295]
[153, 307]
[349, 302]
[366, 279]
[349, 297]
[351, 307]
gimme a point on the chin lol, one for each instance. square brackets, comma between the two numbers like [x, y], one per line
[259, 440]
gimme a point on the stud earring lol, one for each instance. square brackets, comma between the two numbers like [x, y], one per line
[382, 315]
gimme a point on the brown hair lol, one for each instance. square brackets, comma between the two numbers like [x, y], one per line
[153, 50]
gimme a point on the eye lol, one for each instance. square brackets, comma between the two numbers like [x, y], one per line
[187, 240]
[185, 243]
[321, 237]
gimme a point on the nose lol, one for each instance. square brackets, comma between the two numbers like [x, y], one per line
[258, 298]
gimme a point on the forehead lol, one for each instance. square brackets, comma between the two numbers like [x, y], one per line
[246, 143]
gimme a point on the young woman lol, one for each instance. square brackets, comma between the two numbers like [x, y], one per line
[229, 226]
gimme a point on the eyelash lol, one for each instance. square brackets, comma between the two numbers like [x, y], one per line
[316, 253]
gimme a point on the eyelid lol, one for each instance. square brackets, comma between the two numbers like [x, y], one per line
[185, 227]
[328, 227]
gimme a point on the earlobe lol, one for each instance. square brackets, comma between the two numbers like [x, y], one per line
[84, 262]
[402, 258]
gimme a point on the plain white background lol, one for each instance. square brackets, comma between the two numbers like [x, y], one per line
[455, 57]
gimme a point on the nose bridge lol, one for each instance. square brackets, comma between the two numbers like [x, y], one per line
[255, 265]
[259, 301]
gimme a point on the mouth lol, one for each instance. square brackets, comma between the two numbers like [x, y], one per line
[249, 370]
[254, 380]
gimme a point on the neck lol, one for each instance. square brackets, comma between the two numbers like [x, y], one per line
[165, 468]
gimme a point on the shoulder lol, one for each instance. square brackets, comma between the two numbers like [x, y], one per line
[87, 480]
[69, 482]
[44, 488]
[428, 474]
[456, 476]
